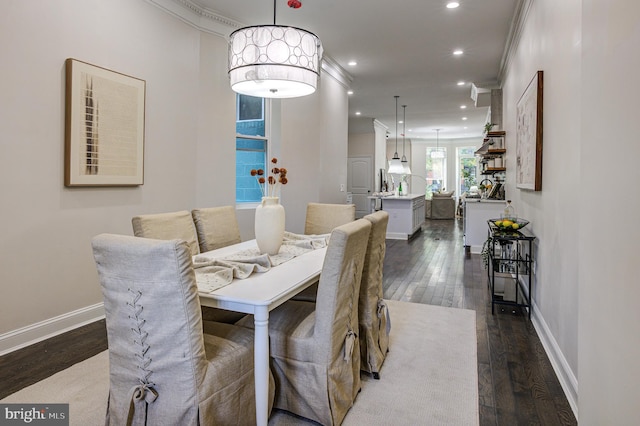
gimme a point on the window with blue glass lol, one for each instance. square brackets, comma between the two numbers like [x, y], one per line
[251, 147]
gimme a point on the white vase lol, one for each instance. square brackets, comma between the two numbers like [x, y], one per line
[269, 225]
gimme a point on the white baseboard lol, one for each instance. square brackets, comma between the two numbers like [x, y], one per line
[567, 379]
[25, 336]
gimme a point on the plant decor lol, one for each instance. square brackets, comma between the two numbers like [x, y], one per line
[270, 186]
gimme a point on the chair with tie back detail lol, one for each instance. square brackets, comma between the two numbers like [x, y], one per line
[373, 313]
[163, 369]
[314, 347]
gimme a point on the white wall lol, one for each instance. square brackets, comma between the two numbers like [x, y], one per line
[551, 41]
[607, 244]
[47, 269]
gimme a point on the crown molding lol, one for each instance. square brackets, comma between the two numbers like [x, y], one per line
[203, 19]
[513, 38]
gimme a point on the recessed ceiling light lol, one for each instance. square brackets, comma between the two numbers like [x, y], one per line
[458, 52]
[461, 83]
[352, 63]
[350, 92]
[464, 118]
[463, 106]
[452, 5]
[357, 112]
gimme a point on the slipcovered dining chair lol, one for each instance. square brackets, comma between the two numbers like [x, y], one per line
[216, 227]
[167, 226]
[162, 369]
[321, 218]
[372, 311]
[314, 348]
[179, 225]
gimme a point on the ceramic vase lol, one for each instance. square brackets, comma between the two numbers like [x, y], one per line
[269, 225]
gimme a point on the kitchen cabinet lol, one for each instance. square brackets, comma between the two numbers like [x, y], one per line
[476, 214]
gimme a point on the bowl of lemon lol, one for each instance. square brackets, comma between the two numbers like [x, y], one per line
[513, 224]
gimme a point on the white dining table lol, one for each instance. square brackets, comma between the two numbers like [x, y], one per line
[257, 295]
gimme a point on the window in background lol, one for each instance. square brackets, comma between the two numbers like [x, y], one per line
[467, 168]
[436, 172]
[252, 146]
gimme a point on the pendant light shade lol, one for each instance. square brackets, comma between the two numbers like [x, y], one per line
[274, 61]
[437, 153]
[395, 165]
[405, 163]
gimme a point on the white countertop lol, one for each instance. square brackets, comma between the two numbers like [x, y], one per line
[399, 197]
[485, 200]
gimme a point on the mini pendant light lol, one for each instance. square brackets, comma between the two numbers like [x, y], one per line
[405, 163]
[274, 61]
[437, 153]
[395, 165]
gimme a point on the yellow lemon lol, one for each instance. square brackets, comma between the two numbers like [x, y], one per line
[498, 223]
[515, 226]
[507, 223]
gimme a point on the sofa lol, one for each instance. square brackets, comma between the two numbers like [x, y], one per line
[442, 205]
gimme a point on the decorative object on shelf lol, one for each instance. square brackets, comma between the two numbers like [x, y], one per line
[274, 61]
[437, 153]
[270, 214]
[395, 165]
[488, 127]
[104, 131]
[529, 136]
[405, 163]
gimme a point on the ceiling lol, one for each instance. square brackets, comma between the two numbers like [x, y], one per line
[402, 48]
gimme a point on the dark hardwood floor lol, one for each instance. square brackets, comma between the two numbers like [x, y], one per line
[516, 383]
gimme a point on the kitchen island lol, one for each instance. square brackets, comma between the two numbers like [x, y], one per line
[406, 214]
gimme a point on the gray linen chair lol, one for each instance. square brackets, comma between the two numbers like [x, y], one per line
[163, 369]
[372, 311]
[167, 226]
[179, 225]
[321, 218]
[216, 227]
[314, 348]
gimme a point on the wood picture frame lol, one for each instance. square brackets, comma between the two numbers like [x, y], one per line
[529, 135]
[104, 127]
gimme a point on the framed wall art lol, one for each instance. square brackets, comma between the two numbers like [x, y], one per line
[104, 127]
[529, 136]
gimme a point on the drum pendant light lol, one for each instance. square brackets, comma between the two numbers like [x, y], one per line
[274, 61]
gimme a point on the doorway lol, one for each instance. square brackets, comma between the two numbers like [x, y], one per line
[360, 183]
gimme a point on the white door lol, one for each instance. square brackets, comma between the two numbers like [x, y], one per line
[360, 183]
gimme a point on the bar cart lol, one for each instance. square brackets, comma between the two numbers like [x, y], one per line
[510, 262]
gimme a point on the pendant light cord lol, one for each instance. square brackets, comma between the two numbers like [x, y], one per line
[404, 129]
[396, 153]
[274, 12]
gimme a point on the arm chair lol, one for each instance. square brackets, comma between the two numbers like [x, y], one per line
[216, 227]
[162, 369]
[321, 218]
[167, 226]
[179, 225]
[314, 348]
[372, 311]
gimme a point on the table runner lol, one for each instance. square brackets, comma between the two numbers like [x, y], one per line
[214, 273]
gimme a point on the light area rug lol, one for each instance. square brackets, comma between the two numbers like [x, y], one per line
[429, 377]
